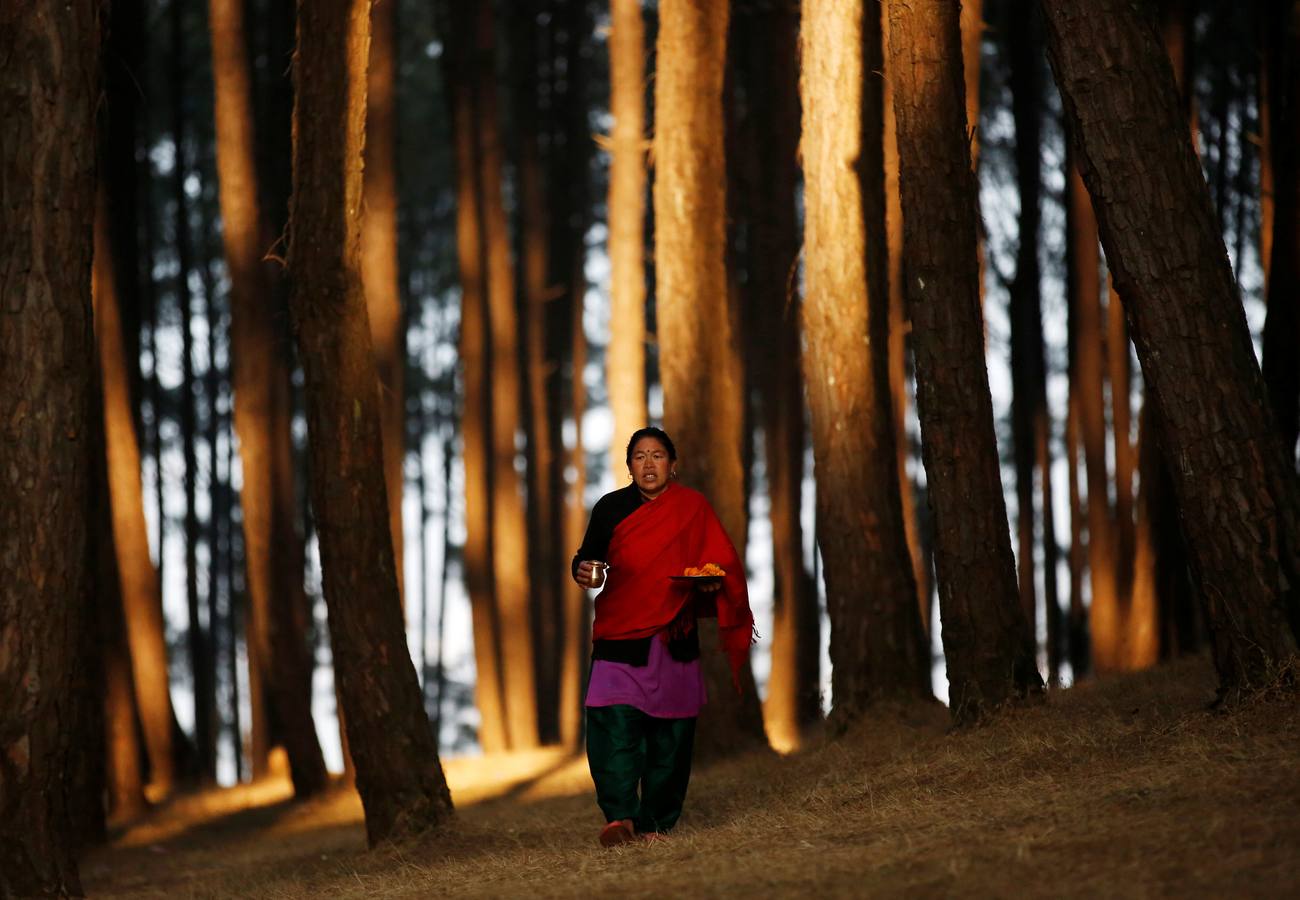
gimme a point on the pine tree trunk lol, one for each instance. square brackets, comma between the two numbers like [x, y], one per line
[49, 92]
[703, 405]
[625, 355]
[196, 640]
[1281, 364]
[475, 363]
[770, 47]
[532, 259]
[870, 592]
[899, 327]
[399, 776]
[986, 638]
[278, 651]
[379, 269]
[1237, 491]
[509, 527]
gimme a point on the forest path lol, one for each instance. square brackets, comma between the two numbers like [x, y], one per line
[1126, 786]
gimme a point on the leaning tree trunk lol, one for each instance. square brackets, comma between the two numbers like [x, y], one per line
[986, 638]
[625, 356]
[509, 524]
[49, 91]
[1281, 364]
[1237, 491]
[870, 591]
[379, 271]
[771, 70]
[399, 776]
[702, 392]
[277, 644]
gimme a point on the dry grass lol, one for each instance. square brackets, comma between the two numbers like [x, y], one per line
[1126, 787]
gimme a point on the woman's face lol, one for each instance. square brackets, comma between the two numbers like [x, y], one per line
[650, 466]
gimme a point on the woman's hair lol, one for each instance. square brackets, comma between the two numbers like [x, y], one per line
[651, 432]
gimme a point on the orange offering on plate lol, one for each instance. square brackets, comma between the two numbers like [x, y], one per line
[705, 570]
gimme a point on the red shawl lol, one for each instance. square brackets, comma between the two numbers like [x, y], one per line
[660, 539]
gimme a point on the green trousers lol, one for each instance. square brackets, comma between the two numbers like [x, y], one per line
[628, 749]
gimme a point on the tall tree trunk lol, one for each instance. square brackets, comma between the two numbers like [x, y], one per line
[972, 39]
[625, 355]
[279, 657]
[1281, 364]
[140, 588]
[196, 639]
[399, 776]
[475, 362]
[870, 592]
[770, 46]
[702, 394]
[509, 527]
[49, 92]
[532, 259]
[899, 327]
[1238, 495]
[986, 638]
[379, 270]
[1028, 366]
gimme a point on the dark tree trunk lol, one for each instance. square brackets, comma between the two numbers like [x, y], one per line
[399, 776]
[1237, 491]
[986, 638]
[475, 363]
[870, 591]
[1281, 362]
[703, 403]
[197, 639]
[769, 47]
[49, 91]
[277, 634]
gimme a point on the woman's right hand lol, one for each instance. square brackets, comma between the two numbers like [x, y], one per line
[591, 574]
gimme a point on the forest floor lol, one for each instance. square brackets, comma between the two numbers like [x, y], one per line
[1128, 786]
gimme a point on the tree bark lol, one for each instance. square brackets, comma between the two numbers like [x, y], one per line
[870, 592]
[703, 405]
[399, 776]
[277, 638]
[1237, 492]
[475, 363]
[625, 355]
[379, 268]
[49, 91]
[1281, 363]
[509, 527]
[986, 639]
[770, 67]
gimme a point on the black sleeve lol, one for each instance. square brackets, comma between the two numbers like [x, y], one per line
[609, 510]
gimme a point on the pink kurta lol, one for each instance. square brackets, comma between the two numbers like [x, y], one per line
[663, 687]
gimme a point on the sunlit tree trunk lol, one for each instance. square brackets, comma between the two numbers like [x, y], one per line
[770, 69]
[986, 638]
[475, 362]
[577, 618]
[703, 405]
[399, 776]
[1281, 363]
[509, 528]
[278, 651]
[972, 37]
[870, 593]
[625, 360]
[1238, 496]
[49, 92]
[899, 327]
[379, 270]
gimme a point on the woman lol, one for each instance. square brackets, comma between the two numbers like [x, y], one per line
[646, 685]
